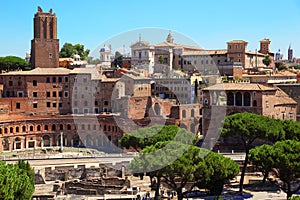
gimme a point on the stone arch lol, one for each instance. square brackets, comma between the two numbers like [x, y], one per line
[254, 103]
[238, 99]
[88, 140]
[192, 113]
[61, 127]
[183, 113]
[5, 143]
[38, 127]
[23, 128]
[69, 127]
[76, 140]
[11, 130]
[230, 99]
[46, 127]
[30, 128]
[17, 144]
[46, 141]
[247, 99]
[53, 128]
[17, 129]
[157, 109]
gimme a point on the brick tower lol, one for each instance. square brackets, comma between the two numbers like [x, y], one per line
[45, 45]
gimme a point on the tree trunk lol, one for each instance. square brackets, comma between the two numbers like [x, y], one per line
[179, 194]
[289, 192]
[244, 171]
[157, 188]
[265, 177]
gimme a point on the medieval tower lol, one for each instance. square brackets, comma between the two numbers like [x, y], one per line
[45, 45]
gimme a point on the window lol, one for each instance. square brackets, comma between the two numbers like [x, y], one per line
[60, 94]
[61, 127]
[18, 105]
[23, 128]
[75, 103]
[69, 127]
[34, 94]
[60, 104]
[10, 83]
[85, 103]
[86, 110]
[291, 115]
[31, 128]
[48, 104]
[54, 104]
[35, 105]
[48, 94]
[54, 79]
[66, 79]
[50, 55]
[105, 103]
[82, 127]
[267, 104]
[183, 114]
[46, 128]
[34, 83]
[48, 79]
[59, 79]
[96, 103]
[53, 127]
[17, 129]
[66, 94]
[54, 94]
[283, 115]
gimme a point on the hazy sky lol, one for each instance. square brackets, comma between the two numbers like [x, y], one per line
[209, 24]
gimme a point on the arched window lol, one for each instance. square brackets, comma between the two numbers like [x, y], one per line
[247, 99]
[1, 131]
[254, 103]
[61, 127]
[69, 127]
[23, 128]
[46, 128]
[46, 141]
[183, 114]
[5, 130]
[38, 128]
[238, 99]
[11, 129]
[53, 127]
[31, 128]
[230, 99]
[17, 129]
[192, 113]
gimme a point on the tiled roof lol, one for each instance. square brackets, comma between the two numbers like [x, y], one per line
[41, 71]
[204, 52]
[93, 71]
[239, 86]
[282, 98]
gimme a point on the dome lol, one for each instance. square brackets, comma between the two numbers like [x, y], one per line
[105, 49]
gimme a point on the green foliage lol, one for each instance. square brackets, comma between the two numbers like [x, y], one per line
[283, 156]
[280, 66]
[267, 60]
[161, 59]
[177, 164]
[118, 61]
[295, 198]
[11, 63]
[291, 129]
[69, 50]
[262, 159]
[143, 137]
[247, 127]
[16, 181]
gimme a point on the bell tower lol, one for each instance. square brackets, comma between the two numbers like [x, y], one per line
[45, 45]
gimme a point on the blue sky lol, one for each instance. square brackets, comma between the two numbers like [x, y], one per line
[210, 24]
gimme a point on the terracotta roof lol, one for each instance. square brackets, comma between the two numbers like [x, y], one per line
[41, 71]
[239, 86]
[93, 71]
[255, 53]
[204, 52]
[281, 98]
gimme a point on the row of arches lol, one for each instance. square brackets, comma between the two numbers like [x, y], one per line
[57, 127]
[53, 140]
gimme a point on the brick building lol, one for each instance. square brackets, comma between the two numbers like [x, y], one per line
[45, 45]
[225, 99]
